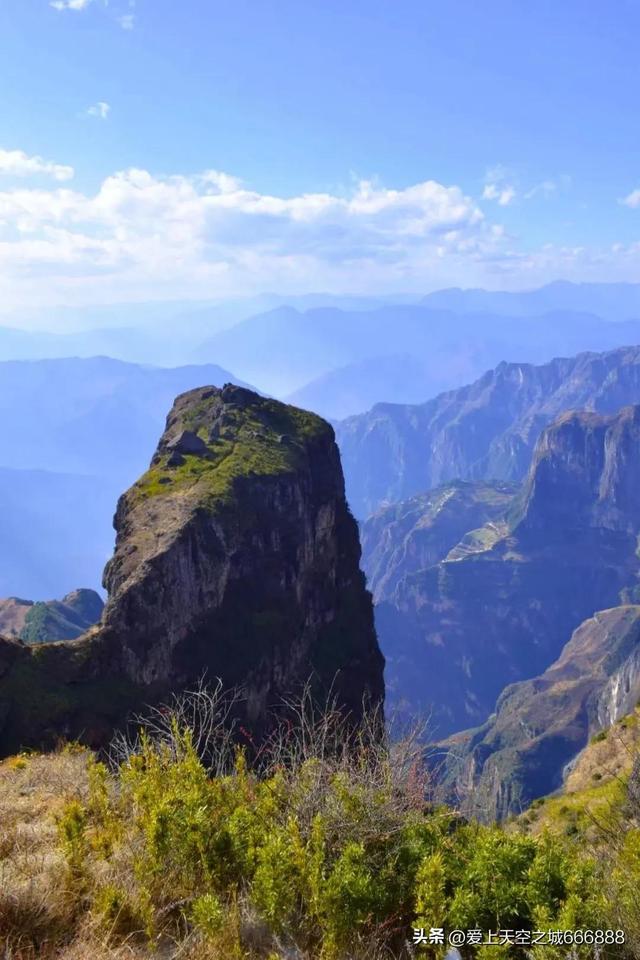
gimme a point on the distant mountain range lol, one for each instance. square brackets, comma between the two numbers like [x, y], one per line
[484, 431]
[166, 334]
[338, 355]
[502, 603]
[336, 361]
[611, 301]
[359, 385]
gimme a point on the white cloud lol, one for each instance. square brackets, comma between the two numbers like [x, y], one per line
[210, 233]
[127, 21]
[504, 195]
[497, 186]
[100, 110]
[16, 163]
[70, 4]
[143, 236]
[632, 200]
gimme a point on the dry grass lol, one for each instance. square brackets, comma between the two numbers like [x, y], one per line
[39, 917]
[609, 756]
[33, 789]
[45, 908]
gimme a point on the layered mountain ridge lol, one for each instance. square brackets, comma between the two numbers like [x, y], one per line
[540, 725]
[484, 431]
[287, 350]
[501, 605]
[417, 533]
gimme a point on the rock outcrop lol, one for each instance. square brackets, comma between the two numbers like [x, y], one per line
[236, 557]
[501, 605]
[47, 620]
[484, 431]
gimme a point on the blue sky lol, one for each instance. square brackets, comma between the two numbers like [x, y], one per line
[365, 146]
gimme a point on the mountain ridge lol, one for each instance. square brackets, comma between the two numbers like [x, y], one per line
[483, 431]
[541, 725]
[285, 350]
[512, 598]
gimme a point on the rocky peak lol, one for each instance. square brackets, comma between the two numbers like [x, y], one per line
[236, 557]
[584, 473]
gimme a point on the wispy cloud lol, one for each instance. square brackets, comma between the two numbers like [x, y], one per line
[70, 4]
[504, 186]
[545, 189]
[498, 186]
[632, 199]
[17, 163]
[101, 110]
[504, 194]
[128, 20]
[125, 20]
[549, 187]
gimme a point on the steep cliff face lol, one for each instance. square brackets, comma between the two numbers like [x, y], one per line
[236, 556]
[501, 605]
[540, 725]
[484, 431]
[584, 474]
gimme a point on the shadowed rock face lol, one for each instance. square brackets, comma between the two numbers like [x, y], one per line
[500, 606]
[236, 557]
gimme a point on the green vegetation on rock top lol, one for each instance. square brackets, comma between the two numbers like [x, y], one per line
[242, 433]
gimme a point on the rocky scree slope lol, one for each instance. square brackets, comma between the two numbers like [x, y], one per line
[484, 431]
[501, 605]
[236, 557]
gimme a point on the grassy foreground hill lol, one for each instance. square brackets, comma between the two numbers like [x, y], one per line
[330, 850]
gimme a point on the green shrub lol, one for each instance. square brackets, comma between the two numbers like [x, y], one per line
[334, 851]
[208, 915]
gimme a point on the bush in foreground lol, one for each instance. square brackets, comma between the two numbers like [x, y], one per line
[326, 846]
